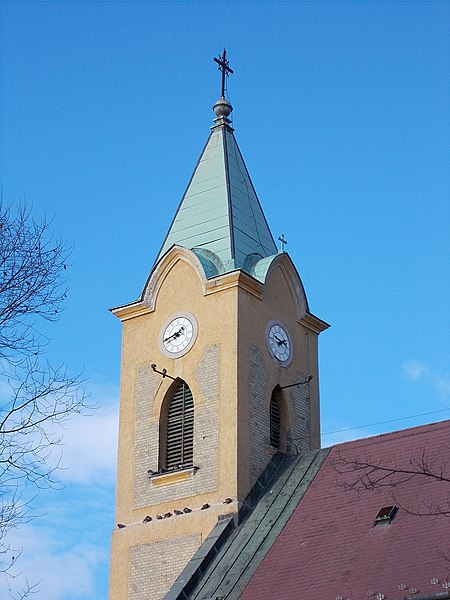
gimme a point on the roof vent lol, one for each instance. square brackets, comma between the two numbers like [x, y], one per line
[385, 515]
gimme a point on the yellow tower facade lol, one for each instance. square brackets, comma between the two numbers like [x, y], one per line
[219, 373]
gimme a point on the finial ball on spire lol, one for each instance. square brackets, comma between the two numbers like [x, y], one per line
[222, 107]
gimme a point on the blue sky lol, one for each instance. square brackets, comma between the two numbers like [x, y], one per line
[341, 113]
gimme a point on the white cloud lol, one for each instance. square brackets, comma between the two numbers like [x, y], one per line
[89, 449]
[417, 370]
[442, 383]
[414, 369]
[60, 571]
[67, 547]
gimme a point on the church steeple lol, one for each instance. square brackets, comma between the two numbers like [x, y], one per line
[220, 218]
[219, 372]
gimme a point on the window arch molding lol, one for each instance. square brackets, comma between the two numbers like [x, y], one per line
[163, 389]
[176, 428]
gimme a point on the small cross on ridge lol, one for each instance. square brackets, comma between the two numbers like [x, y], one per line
[223, 66]
[283, 242]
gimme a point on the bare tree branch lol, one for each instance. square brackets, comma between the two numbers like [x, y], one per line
[365, 473]
[36, 398]
[32, 281]
[372, 474]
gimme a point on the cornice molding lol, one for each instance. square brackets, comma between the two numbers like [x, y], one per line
[313, 323]
[129, 311]
[234, 279]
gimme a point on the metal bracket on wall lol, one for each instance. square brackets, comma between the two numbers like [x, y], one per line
[163, 372]
[308, 379]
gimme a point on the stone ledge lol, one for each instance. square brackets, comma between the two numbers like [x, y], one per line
[159, 479]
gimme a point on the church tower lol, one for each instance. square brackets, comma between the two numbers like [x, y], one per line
[219, 372]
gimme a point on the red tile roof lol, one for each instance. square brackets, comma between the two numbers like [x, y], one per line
[330, 549]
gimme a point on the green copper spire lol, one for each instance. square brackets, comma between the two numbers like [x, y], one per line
[220, 218]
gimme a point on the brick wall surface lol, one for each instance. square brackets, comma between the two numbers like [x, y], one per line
[146, 431]
[206, 433]
[299, 426]
[259, 417]
[154, 567]
[206, 439]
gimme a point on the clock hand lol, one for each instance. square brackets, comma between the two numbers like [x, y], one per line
[280, 341]
[175, 335]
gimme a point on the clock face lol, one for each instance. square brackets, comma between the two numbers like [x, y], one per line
[279, 342]
[178, 335]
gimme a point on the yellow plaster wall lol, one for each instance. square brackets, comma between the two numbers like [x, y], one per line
[232, 312]
[216, 314]
[195, 525]
[277, 302]
[179, 290]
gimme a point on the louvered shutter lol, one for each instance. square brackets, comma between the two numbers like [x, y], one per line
[180, 429]
[275, 422]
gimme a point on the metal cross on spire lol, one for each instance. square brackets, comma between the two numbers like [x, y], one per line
[223, 66]
[283, 242]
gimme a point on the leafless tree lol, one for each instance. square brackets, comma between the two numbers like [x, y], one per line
[368, 473]
[35, 397]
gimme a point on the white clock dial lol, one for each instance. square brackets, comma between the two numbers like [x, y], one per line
[178, 335]
[279, 342]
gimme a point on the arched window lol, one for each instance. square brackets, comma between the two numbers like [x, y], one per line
[177, 428]
[278, 425]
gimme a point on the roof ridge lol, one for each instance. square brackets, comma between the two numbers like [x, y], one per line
[235, 564]
[248, 515]
[383, 437]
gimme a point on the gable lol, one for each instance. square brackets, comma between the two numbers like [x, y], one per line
[179, 270]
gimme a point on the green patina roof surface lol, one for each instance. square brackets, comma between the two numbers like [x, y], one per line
[228, 558]
[220, 217]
